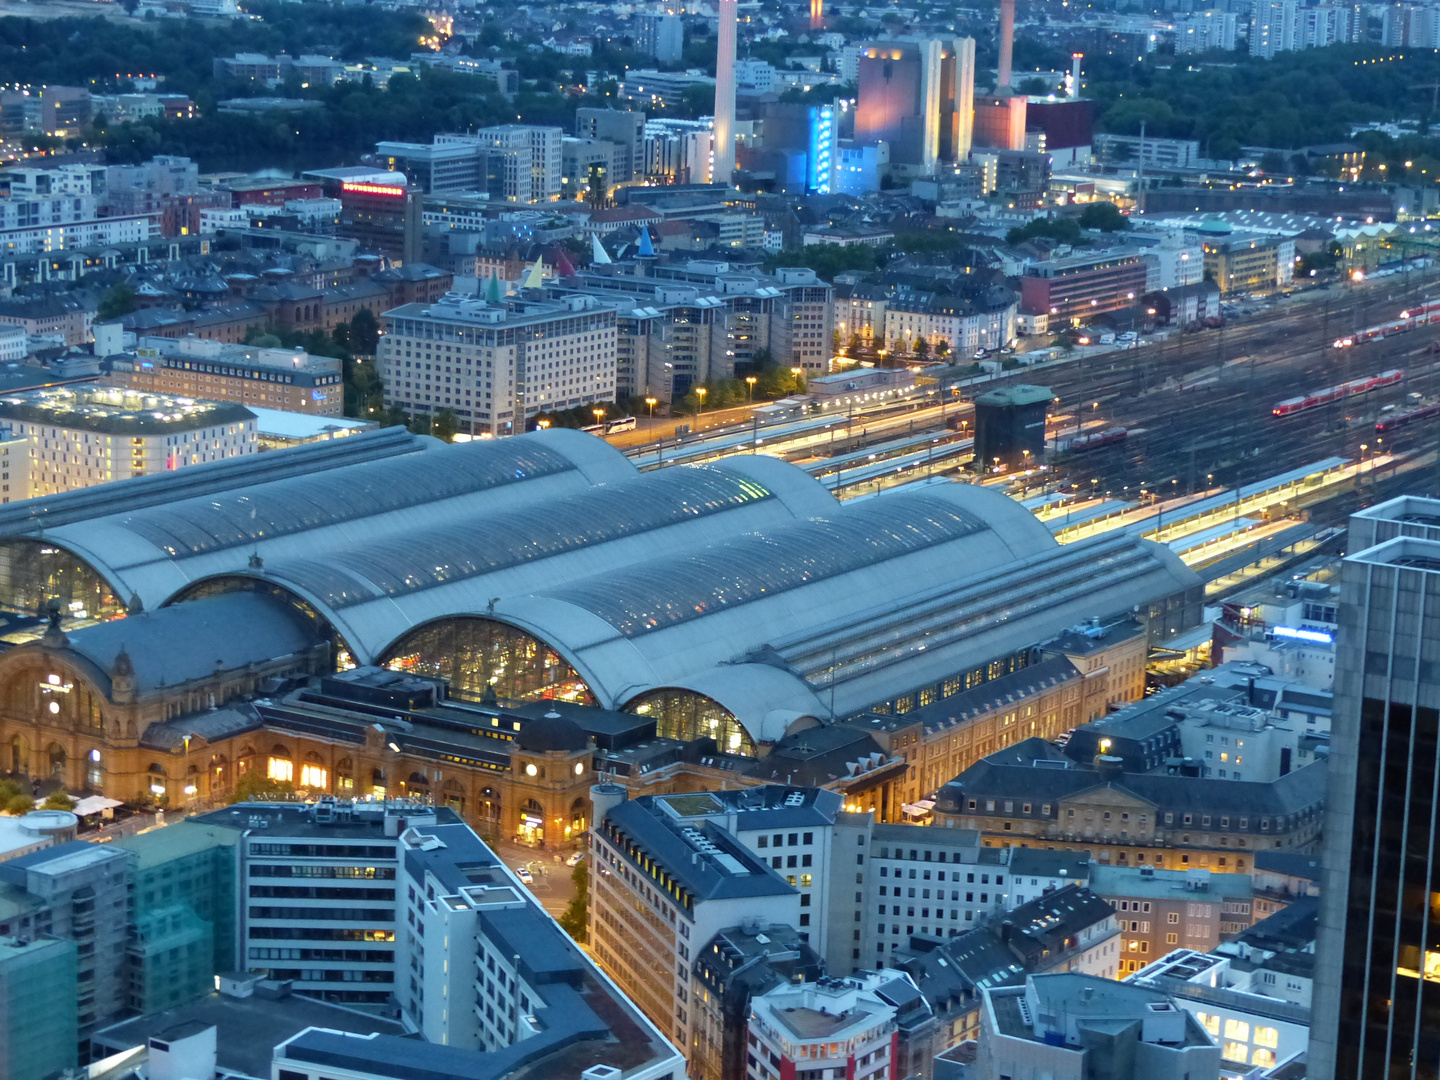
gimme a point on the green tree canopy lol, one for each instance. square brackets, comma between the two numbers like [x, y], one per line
[254, 785]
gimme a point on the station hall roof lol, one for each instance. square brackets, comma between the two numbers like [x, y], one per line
[744, 580]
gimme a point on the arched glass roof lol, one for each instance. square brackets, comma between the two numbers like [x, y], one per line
[437, 555]
[294, 505]
[665, 592]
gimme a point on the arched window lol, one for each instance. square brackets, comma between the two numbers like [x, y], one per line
[94, 772]
[219, 768]
[313, 774]
[474, 655]
[33, 573]
[577, 816]
[56, 754]
[280, 767]
[378, 788]
[20, 754]
[345, 777]
[246, 761]
[686, 715]
[490, 804]
[452, 794]
[417, 786]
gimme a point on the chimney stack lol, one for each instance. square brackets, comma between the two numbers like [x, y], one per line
[1007, 44]
[724, 145]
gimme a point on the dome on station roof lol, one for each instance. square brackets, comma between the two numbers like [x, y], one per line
[551, 733]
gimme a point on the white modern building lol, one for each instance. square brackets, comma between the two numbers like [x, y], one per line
[495, 363]
[523, 161]
[90, 435]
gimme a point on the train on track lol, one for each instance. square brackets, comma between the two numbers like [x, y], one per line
[1094, 441]
[1350, 389]
[1399, 420]
[1422, 314]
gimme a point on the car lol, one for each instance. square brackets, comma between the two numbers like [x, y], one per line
[524, 875]
[575, 859]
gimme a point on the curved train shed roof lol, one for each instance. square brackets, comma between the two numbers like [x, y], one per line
[744, 580]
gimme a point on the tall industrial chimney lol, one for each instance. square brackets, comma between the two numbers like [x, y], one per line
[1007, 44]
[817, 14]
[724, 152]
[1075, 59]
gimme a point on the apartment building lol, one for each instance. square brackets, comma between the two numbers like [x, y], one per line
[1074, 289]
[50, 316]
[92, 435]
[15, 465]
[842, 1024]
[1163, 910]
[522, 162]
[947, 324]
[1032, 794]
[288, 379]
[495, 363]
[38, 1031]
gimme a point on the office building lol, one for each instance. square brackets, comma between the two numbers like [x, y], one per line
[38, 1030]
[288, 379]
[384, 217]
[669, 882]
[182, 912]
[501, 361]
[1074, 1027]
[1074, 289]
[434, 168]
[1375, 960]
[957, 103]
[586, 168]
[92, 435]
[82, 886]
[522, 163]
[16, 464]
[660, 35]
[1239, 261]
[625, 131]
[1032, 793]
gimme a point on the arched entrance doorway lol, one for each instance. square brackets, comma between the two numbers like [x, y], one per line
[20, 754]
[532, 823]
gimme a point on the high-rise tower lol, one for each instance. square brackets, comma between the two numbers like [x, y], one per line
[724, 153]
[1377, 952]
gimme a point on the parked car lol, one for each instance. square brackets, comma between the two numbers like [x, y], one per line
[575, 859]
[524, 875]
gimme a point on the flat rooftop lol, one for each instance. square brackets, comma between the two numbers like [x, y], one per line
[112, 411]
[246, 1029]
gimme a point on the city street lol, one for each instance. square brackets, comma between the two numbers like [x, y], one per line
[553, 885]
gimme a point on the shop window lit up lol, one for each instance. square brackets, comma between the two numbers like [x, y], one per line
[281, 770]
[312, 776]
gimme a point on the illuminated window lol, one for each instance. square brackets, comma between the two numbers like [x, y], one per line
[280, 769]
[311, 776]
[1266, 1036]
[1237, 1051]
[1237, 1029]
[1264, 1057]
[1210, 1023]
[805, 881]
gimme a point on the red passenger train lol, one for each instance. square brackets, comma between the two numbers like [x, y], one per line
[1424, 313]
[1398, 420]
[1337, 393]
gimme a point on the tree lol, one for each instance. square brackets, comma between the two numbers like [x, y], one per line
[364, 333]
[58, 800]
[254, 785]
[921, 347]
[445, 425]
[118, 300]
[19, 804]
[1063, 230]
[8, 790]
[1105, 216]
[575, 916]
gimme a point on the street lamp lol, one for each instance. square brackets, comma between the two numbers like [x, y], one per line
[651, 402]
[599, 414]
[797, 372]
[750, 382]
[700, 393]
[542, 424]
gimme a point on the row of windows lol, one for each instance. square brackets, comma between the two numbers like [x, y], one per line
[899, 872]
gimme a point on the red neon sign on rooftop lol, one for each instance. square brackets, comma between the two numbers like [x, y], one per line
[372, 189]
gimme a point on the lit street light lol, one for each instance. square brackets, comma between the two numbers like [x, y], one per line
[651, 402]
[750, 382]
[700, 393]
